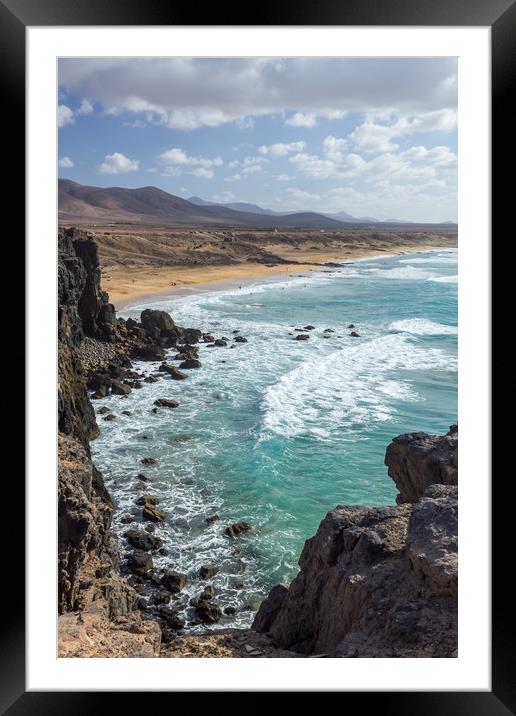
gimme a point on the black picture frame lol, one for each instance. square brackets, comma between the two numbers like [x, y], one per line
[500, 16]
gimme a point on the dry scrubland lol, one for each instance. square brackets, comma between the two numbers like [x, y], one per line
[138, 261]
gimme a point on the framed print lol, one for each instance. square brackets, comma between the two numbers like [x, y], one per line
[272, 288]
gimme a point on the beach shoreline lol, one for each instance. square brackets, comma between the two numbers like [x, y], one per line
[134, 285]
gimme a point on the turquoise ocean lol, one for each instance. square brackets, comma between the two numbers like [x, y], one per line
[277, 432]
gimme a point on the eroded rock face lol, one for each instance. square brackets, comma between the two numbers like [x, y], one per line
[375, 582]
[88, 559]
[418, 460]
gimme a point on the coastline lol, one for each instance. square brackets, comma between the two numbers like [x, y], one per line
[128, 285]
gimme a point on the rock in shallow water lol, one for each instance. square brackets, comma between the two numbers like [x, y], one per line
[208, 612]
[174, 582]
[236, 528]
[141, 539]
[166, 403]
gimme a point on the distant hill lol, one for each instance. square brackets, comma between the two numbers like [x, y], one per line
[235, 205]
[244, 206]
[149, 205]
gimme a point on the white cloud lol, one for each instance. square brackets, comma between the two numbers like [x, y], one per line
[252, 169]
[118, 163]
[334, 164]
[281, 150]
[372, 137]
[176, 162]
[186, 93]
[441, 156]
[64, 116]
[65, 163]
[179, 157]
[251, 165]
[283, 177]
[300, 119]
[203, 173]
[234, 177]
[86, 107]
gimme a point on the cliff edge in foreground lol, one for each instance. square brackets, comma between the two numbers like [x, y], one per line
[96, 604]
[380, 581]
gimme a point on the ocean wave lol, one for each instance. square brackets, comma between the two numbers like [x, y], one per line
[431, 260]
[422, 327]
[404, 273]
[347, 390]
[445, 279]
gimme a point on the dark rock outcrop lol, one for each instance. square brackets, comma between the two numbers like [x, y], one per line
[91, 590]
[88, 559]
[417, 460]
[377, 582]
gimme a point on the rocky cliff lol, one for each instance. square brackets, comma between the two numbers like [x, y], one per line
[380, 582]
[89, 581]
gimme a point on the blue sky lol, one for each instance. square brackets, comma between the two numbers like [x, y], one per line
[373, 137]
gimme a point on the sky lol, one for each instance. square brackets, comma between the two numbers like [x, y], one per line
[374, 137]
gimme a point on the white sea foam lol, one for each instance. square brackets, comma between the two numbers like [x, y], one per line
[445, 279]
[405, 273]
[347, 389]
[422, 327]
[430, 260]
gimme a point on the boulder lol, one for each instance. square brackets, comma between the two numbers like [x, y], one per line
[191, 335]
[147, 500]
[174, 582]
[157, 322]
[142, 540]
[417, 460]
[162, 596]
[119, 388]
[166, 403]
[140, 562]
[101, 392]
[208, 612]
[206, 594]
[171, 618]
[153, 513]
[236, 528]
[173, 372]
[302, 337]
[190, 363]
[207, 571]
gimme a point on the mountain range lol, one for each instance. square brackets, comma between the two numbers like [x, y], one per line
[149, 205]
[244, 206]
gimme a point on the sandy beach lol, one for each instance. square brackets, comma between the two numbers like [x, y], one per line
[128, 284]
